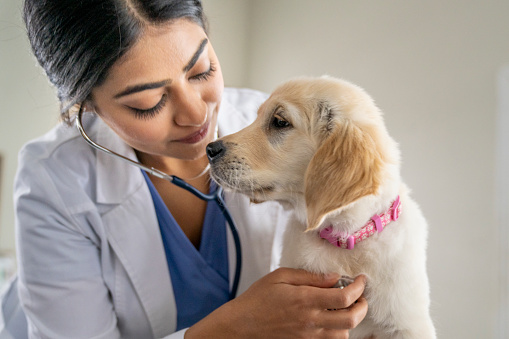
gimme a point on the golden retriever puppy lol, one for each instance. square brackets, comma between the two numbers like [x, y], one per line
[320, 147]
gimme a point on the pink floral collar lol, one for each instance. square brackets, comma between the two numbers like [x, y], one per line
[376, 224]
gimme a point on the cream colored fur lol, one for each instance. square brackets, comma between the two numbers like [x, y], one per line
[320, 147]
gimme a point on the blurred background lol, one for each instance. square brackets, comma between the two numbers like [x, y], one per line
[439, 70]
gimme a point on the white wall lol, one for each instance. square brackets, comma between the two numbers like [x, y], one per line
[28, 106]
[431, 66]
[502, 193]
[229, 31]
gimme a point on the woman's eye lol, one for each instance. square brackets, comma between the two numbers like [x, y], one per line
[151, 112]
[205, 75]
[279, 122]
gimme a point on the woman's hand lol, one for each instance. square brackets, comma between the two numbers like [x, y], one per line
[288, 303]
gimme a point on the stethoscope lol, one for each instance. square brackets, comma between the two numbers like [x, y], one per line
[215, 196]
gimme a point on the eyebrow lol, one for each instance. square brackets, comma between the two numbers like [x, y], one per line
[152, 85]
[196, 55]
[143, 87]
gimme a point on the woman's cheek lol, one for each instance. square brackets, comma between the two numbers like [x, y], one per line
[141, 134]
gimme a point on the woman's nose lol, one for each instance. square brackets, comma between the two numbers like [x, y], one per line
[190, 109]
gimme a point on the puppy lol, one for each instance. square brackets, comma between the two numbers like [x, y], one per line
[320, 147]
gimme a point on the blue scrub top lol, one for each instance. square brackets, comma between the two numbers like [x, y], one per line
[199, 277]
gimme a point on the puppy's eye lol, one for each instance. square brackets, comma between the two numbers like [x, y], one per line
[279, 122]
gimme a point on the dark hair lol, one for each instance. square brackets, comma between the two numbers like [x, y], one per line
[77, 42]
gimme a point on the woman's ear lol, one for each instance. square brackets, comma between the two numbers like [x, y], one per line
[345, 168]
[88, 105]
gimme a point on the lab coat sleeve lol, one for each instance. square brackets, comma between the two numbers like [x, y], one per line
[60, 284]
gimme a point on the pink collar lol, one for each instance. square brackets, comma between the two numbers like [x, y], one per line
[375, 225]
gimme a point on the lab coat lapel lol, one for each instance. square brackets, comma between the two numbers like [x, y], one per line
[133, 231]
[134, 235]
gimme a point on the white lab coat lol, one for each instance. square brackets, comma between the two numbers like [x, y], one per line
[91, 258]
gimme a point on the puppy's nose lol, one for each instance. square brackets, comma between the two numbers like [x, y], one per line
[215, 150]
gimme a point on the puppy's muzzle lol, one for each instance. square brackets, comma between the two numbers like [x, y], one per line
[215, 151]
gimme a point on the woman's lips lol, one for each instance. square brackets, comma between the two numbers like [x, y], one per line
[196, 136]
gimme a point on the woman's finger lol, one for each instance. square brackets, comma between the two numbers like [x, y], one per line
[346, 318]
[299, 277]
[335, 298]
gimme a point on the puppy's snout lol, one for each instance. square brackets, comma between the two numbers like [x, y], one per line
[215, 150]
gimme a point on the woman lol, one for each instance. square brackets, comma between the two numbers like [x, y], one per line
[106, 251]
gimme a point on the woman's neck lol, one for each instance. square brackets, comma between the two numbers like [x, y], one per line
[187, 210]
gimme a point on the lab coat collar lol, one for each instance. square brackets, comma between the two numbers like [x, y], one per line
[230, 120]
[112, 170]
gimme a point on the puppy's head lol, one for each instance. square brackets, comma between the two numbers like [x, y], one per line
[317, 142]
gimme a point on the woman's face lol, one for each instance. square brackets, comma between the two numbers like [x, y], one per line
[162, 97]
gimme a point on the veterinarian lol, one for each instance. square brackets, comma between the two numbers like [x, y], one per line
[108, 251]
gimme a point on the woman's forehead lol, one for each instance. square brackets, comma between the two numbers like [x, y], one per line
[161, 52]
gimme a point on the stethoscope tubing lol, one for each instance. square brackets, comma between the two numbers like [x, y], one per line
[217, 196]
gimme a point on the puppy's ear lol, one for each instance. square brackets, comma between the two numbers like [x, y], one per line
[345, 168]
